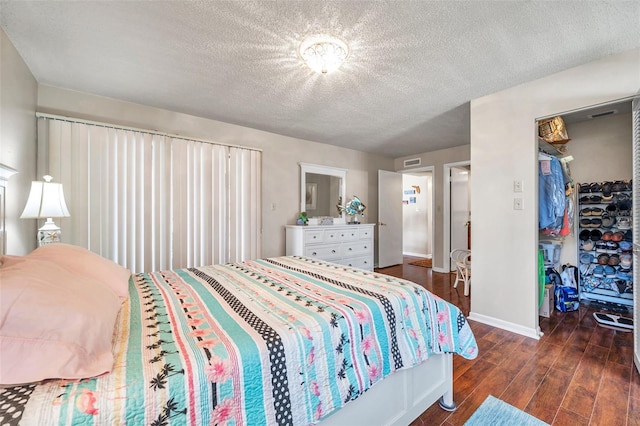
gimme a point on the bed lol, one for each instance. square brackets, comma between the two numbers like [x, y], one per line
[285, 340]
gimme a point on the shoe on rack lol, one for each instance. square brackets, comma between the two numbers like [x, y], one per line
[587, 245]
[610, 272]
[624, 223]
[608, 221]
[603, 259]
[617, 236]
[612, 247]
[623, 275]
[601, 247]
[625, 246]
[626, 260]
[621, 197]
[607, 236]
[596, 235]
[606, 191]
[586, 258]
[614, 260]
[612, 209]
[585, 223]
[618, 186]
[598, 272]
[624, 208]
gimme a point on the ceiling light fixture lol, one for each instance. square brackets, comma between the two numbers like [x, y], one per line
[323, 54]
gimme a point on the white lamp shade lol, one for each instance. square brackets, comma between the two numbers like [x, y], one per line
[46, 199]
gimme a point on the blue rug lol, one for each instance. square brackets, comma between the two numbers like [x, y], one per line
[495, 412]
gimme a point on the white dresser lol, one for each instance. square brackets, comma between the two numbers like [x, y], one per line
[350, 245]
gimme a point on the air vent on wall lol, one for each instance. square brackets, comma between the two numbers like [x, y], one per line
[412, 162]
[602, 114]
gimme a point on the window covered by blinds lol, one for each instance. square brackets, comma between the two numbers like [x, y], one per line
[153, 201]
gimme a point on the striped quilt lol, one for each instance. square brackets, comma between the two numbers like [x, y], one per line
[285, 341]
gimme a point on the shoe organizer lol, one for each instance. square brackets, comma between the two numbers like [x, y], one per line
[605, 243]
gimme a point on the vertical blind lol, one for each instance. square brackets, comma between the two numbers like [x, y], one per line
[152, 201]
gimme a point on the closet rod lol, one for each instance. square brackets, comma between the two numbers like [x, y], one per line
[137, 129]
[544, 155]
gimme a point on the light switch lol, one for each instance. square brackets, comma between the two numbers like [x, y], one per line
[517, 186]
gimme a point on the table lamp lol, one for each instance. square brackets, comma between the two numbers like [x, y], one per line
[46, 200]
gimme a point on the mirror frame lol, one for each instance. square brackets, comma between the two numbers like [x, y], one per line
[320, 170]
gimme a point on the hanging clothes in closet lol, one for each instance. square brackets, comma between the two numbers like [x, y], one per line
[555, 202]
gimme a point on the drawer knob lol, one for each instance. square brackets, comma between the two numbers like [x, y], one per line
[314, 253]
[350, 265]
[351, 248]
[342, 235]
[365, 262]
[365, 246]
[333, 251]
[314, 237]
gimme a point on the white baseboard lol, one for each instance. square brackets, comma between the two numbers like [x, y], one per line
[505, 325]
[441, 270]
[424, 255]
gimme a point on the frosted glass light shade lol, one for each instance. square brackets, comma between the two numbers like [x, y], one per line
[324, 54]
[46, 200]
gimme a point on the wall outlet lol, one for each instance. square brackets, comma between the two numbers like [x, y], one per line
[518, 204]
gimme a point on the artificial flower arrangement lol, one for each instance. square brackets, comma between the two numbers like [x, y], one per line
[302, 219]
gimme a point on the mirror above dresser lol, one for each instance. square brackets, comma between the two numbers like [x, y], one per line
[322, 189]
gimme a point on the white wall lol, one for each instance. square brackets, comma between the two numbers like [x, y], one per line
[601, 149]
[437, 159]
[18, 94]
[504, 149]
[416, 217]
[281, 154]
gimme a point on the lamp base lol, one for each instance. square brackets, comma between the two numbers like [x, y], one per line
[49, 233]
[355, 220]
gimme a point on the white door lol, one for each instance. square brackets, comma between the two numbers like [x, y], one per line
[636, 230]
[389, 218]
[459, 181]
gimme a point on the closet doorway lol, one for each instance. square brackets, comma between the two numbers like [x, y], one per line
[417, 213]
[598, 153]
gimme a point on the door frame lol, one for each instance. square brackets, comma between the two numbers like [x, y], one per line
[431, 169]
[446, 212]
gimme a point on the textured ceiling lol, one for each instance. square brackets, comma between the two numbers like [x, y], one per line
[405, 88]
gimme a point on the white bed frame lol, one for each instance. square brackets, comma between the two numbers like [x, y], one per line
[401, 397]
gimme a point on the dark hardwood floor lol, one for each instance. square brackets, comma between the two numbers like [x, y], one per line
[578, 373]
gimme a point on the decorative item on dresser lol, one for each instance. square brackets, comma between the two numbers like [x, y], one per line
[350, 245]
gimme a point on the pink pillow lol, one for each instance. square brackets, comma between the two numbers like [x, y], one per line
[84, 262]
[53, 323]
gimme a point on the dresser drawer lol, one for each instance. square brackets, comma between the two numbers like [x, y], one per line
[326, 252]
[359, 248]
[365, 262]
[365, 234]
[340, 235]
[313, 236]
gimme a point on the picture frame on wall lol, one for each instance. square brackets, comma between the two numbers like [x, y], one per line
[311, 196]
